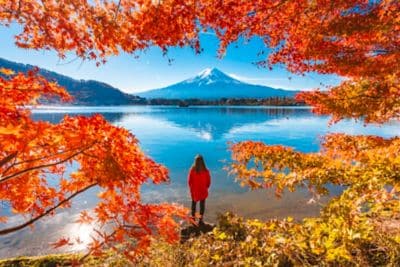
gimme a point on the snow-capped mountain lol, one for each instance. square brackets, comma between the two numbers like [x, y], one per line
[210, 76]
[214, 84]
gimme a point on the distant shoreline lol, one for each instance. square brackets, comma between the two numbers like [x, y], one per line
[75, 107]
[270, 101]
[185, 102]
[223, 102]
[221, 105]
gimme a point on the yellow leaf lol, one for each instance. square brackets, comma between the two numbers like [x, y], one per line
[7, 72]
[216, 257]
[222, 236]
[10, 130]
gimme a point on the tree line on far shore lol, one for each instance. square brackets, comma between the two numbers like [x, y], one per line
[271, 101]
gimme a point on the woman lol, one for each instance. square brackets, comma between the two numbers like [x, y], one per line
[199, 181]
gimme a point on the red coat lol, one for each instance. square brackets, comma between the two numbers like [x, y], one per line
[199, 182]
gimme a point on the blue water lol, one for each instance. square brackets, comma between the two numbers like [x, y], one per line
[173, 136]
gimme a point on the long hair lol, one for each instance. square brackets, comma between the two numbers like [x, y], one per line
[198, 164]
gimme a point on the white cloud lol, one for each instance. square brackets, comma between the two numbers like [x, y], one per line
[288, 83]
[254, 79]
[273, 82]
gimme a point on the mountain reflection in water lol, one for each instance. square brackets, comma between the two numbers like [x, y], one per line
[173, 136]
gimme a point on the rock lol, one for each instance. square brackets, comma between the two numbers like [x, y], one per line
[195, 230]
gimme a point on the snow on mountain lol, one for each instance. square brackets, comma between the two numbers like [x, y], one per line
[212, 83]
[209, 76]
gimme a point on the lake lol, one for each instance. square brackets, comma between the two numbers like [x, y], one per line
[173, 136]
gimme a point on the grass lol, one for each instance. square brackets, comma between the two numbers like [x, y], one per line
[204, 249]
[59, 260]
[161, 254]
[47, 260]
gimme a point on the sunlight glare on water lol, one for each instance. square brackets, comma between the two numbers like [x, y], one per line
[172, 136]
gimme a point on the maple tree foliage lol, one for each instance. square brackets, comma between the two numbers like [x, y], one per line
[355, 39]
[358, 40]
[35, 155]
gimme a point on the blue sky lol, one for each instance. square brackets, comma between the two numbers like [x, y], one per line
[151, 69]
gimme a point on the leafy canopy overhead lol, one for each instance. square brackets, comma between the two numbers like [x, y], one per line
[355, 39]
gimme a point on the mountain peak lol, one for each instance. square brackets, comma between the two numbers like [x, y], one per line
[209, 71]
[211, 75]
[212, 83]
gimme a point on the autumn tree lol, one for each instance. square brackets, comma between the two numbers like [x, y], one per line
[355, 39]
[358, 40]
[35, 154]
[34, 181]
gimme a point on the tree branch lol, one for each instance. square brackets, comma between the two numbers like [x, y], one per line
[31, 221]
[44, 166]
[99, 246]
[8, 158]
[45, 157]
[117, 11]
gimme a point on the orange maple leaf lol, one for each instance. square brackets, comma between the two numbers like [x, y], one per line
[64, 241]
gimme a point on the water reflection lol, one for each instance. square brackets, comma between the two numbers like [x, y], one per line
[57, 117]
[213, 122]
[173, 136]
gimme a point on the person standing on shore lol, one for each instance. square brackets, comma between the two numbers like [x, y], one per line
[199, 181]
